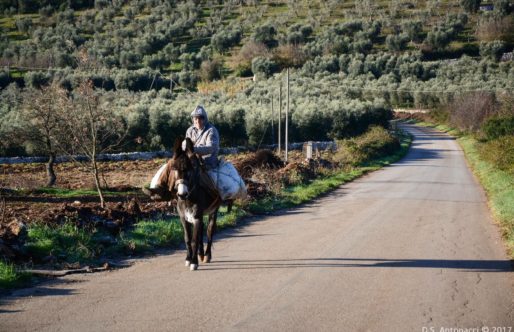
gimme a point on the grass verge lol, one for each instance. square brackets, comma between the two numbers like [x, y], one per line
[499, 186]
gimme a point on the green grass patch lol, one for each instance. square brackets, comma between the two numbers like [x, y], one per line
[70, 193]
[67, 243]
[10, 277]
[148, 235]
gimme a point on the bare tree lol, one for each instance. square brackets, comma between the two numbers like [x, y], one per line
[40, 111]
[92, 128]
[469, 111]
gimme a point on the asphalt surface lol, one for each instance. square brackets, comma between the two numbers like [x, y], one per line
[411, 247]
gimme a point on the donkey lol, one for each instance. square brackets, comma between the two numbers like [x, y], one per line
[184, 178]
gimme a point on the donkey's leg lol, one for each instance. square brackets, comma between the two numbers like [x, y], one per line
[187, 239]
[197, 233]
[201, 252]
[230, 203]
[211, 228]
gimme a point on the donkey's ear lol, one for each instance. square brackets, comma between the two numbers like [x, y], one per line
[177, 147]
[189, 146]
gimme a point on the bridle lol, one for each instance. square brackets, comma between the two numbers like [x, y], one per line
[192, 178]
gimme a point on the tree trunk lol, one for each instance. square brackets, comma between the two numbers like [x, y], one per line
[97, 183]
[50, 171]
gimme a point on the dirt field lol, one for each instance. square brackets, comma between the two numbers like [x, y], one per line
[21, 201]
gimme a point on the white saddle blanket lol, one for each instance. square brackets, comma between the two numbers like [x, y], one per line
[230, 185]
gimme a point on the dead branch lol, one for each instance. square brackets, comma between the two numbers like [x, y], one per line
[86, 269]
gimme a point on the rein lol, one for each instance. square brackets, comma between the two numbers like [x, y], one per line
[195, 180]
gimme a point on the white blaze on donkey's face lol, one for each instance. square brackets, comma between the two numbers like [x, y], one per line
[182, 189]
[181, 186]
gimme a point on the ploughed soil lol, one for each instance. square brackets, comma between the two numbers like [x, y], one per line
[24, 200]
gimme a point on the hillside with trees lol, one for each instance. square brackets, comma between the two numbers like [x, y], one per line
[151, 61]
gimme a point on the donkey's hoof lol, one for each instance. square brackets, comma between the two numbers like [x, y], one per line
[193, 267]
[188, 263]
[206, 259]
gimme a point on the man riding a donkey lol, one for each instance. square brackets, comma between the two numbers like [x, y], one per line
[199, 182]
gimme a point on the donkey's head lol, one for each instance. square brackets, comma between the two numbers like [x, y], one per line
[170, 178]
[185, 168]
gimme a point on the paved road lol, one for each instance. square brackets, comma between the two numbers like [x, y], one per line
[408, 247]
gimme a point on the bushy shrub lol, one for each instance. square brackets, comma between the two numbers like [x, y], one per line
[24, 24]
[298, 33]
[136, 80]
[413, 29]
[265, 34]
[354, 118]
[230, 122]
[396, 43]
[156, 61]
[242, 62]
[492, 50]
[138, 127]
[441, 35]
[500, 152]
[375, 143]
[224, 39]
[4, 79]
[211, 70]
[37, 79]
[470, 6]
[502, 7]
[188, 79]
[263, 66]
[496, 127]
[438, 39]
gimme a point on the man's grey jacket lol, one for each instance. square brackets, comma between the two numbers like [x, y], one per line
[206, 143]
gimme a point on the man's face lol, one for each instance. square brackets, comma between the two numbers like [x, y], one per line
[199, 122]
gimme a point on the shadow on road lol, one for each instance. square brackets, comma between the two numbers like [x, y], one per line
[45, 289]
[465, 265]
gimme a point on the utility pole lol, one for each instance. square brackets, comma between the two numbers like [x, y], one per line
[272, 124]
[287, 118]
[279, 116]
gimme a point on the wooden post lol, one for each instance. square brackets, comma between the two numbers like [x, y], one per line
[286, 141]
